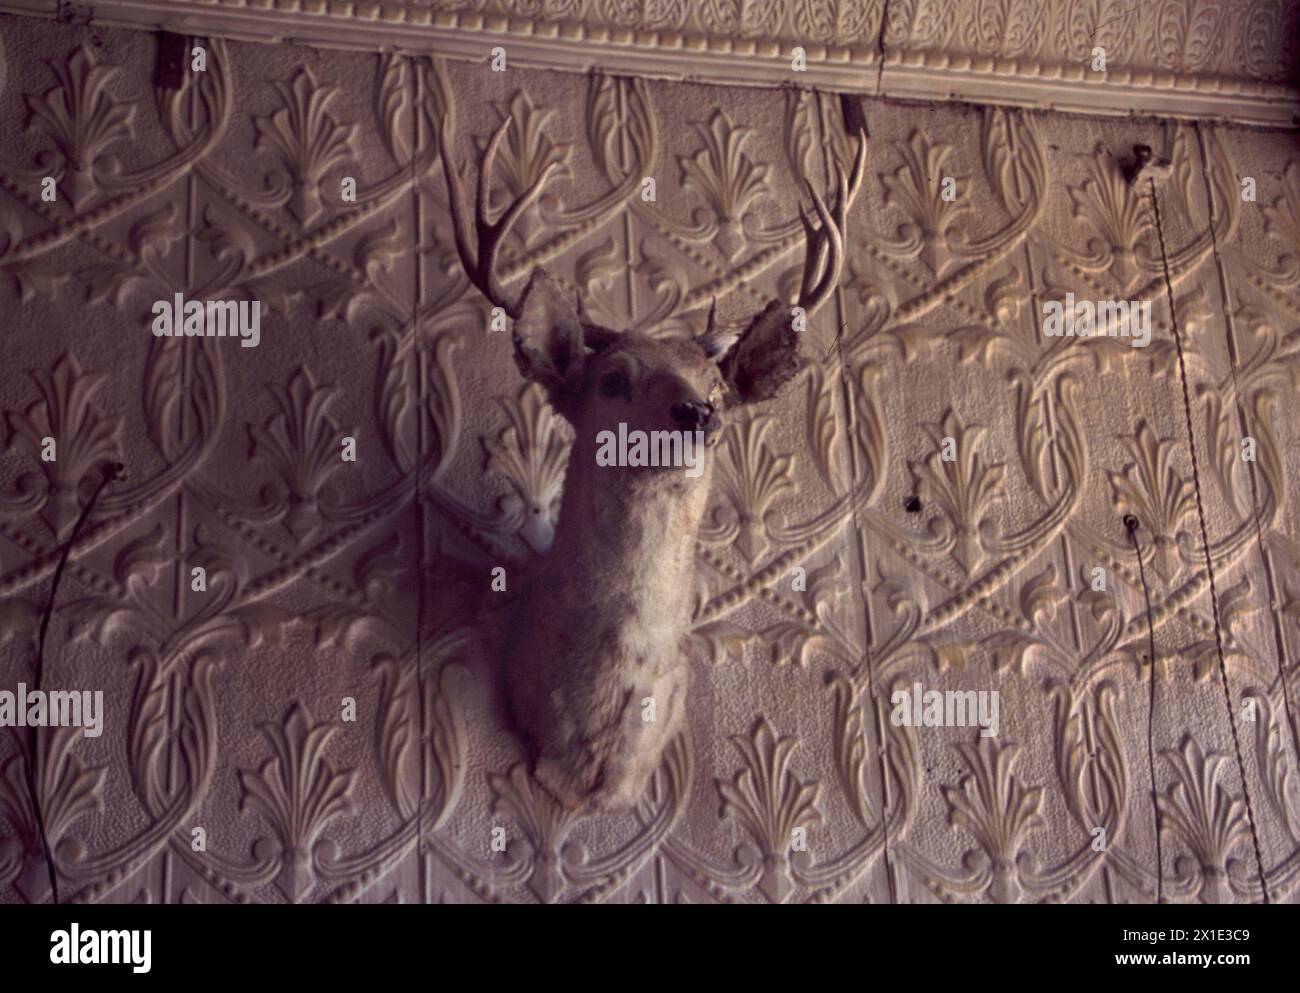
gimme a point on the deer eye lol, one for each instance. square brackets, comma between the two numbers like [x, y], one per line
[615, 384]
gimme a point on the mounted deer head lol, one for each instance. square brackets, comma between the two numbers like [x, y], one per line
[596, 662]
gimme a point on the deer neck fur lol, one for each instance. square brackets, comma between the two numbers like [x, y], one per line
[602, 630]
[629, 534]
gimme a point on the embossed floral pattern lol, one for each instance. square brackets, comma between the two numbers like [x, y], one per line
[297, 649]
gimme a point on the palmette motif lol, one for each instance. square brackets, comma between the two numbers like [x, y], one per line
[808, 591]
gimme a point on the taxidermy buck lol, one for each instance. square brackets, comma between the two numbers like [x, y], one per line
[602, 628]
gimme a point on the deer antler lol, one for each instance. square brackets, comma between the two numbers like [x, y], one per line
[824, 256]
[478, 258]
[824, 252]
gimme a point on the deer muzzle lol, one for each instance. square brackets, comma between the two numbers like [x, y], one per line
[696, 415]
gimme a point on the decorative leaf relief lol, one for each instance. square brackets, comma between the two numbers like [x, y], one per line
[597, 268]
[109, 283]
[722, 641]
[995, 807]
[1221, 445]
[525, 156]
[765, 796]
[1009, 28]
[137, 568]
[302, 444]
[377, 249]
[1089, 755]
[1277, 775]
[298, 792]
[849, 745]
[69, 789]
[923, 24]
[398, 401]
[965, 488]
[172, 721]
[840, 22]
[769, 801]
[532, 452]
[917, 187]
[623, 136]
[393, 104]
[448, 746]
[544, 822]
[35, 279]
[83, 118]
[1111, 207]
[828, 589]
[150, 730]
[262, 624]
[1272, 40]
[789, 642]
[179, 414]
[1189, 33]
[396, 733]
[342, 626]
[1235, 605]
[823, 426]
[85, 439]
[1154, 490]
[1008, 651]
[153, 232]
[378, 569]
[1202, 815]
[746, 18]
[949, 656]
[1269, 454]
[1012, 154]
[307, 138]
[726, 178]
[1040, 597]
[16, 801]
[800, 107]
[1110, 24]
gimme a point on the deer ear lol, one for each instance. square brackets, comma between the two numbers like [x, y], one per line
[764, 358]
[549, 338]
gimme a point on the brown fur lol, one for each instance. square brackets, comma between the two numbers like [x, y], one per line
[603, 623]
[602, 626]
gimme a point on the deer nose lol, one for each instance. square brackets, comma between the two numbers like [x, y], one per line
[695, 415]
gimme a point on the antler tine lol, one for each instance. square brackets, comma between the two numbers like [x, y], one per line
[492, 234]
[485, 174]
[825, 251]
[830, 245]
[480, 262]
[859, 167]
[814, 252]
[456, 202]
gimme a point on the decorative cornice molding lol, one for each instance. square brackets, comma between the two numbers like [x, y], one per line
[1226, 60]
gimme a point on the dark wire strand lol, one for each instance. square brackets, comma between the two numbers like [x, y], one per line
[111, 472]
[1209, 560]
[1131, 524]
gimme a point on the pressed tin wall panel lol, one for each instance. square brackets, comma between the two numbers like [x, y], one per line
[370, 580]
[1232, 60]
